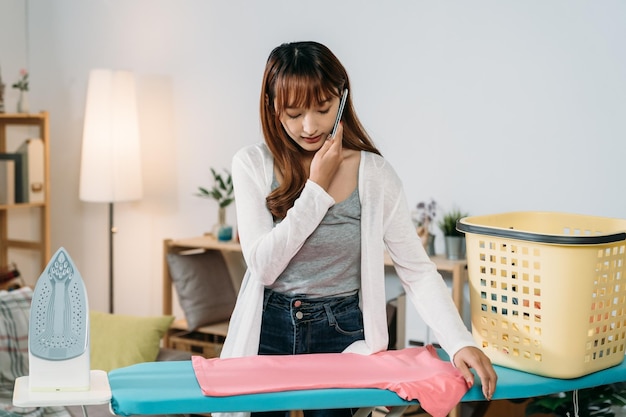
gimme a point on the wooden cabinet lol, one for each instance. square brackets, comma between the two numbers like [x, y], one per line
[15, 129]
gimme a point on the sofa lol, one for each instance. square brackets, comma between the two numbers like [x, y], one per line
[115, 341]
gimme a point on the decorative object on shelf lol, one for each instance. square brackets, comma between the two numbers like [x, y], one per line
[223, 193]
[110, 170]
[423, 217]
[22, 85]
[22, 102]
[454, 239]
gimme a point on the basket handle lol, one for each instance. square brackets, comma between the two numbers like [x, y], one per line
[538, 237]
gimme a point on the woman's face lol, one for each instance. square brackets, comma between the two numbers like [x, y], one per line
[310, 127]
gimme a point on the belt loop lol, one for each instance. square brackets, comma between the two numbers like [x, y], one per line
[332, 322]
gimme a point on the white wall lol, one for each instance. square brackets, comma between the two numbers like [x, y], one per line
[489, 105]
[13, 50]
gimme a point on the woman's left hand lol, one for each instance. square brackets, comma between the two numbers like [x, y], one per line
[471, 357]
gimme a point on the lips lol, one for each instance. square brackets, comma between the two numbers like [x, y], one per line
[313, 139]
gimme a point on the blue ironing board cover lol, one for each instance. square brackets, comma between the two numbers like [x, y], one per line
[172, 388]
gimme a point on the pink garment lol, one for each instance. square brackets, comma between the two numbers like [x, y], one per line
[412, 373]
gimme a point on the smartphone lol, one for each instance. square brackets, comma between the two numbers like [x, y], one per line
[342, 104]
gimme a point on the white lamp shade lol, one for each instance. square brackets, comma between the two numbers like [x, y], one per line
[110, 168]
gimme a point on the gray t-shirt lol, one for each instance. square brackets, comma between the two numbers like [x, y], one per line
[329, 262]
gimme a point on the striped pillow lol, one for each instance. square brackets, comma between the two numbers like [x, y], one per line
[14, 314]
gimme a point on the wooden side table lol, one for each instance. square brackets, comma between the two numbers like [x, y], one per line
[232, 253]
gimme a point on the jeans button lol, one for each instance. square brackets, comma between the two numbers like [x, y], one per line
[297, 303]
[299, 315]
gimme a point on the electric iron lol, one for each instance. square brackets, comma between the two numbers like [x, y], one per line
[58, 343]
[58, 333]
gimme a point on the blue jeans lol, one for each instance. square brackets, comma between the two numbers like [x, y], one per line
[297, 325]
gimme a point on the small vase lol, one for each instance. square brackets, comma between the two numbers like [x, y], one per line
[430, 245]
[427, 238]
[224, 231]
[455, 247]
[22, 102]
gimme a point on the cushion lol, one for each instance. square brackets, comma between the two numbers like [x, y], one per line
[204, 287]
[119, 340]
[14, 316]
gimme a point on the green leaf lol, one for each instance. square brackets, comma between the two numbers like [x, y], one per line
[222, 190]
[448, 222]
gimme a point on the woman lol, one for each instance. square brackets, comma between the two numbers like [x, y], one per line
[315, 215]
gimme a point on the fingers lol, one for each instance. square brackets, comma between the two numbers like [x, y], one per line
[338, 133]
[336, 142]
[325, 146]
[333, 146]
[330, 150]
[327, 160]
[488, 379]
[471, 357]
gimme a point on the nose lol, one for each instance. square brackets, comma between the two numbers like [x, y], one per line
[309, 124]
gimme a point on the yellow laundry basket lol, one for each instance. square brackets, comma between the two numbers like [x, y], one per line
[548, 290]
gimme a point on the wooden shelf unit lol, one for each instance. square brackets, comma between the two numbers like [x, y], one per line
[42, 244]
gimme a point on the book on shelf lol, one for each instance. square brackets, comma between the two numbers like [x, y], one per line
[33, 170]
[7, 182]
[18, 175]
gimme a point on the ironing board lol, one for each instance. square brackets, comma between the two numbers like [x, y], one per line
[171, 388]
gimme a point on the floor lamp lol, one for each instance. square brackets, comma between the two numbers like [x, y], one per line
[110, 169]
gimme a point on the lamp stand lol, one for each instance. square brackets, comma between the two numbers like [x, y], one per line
[111, 232]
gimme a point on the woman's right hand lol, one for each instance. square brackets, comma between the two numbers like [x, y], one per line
[327, 160]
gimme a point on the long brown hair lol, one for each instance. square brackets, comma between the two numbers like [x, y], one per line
[302, 74]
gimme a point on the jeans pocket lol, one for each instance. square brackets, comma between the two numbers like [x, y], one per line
[349, 323]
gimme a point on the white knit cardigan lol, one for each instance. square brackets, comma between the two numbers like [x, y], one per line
[385, 224]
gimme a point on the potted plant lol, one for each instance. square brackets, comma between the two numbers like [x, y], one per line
[454, 239]
[602, 401]
[424, 217]
[22, 86]
[222, 192]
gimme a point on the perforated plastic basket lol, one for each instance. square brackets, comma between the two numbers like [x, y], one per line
[548, 290]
